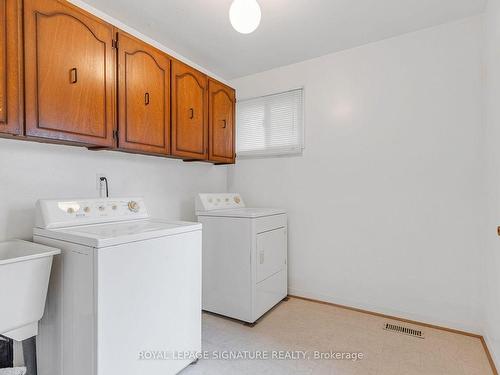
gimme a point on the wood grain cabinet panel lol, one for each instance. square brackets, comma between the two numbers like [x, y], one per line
[144, 97]
[189, 112]
[10, 67]
[70, 74]
[221, 122]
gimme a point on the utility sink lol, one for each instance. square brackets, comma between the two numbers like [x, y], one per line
[24, 280]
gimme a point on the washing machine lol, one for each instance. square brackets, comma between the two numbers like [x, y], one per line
[244, 257]
[125, 293]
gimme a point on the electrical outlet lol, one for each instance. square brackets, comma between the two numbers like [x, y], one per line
[98, 184]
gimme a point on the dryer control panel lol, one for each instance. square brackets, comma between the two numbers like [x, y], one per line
[70, 212]
[218, 201]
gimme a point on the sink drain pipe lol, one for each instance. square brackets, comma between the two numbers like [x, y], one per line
[29, 354]
[6, 352]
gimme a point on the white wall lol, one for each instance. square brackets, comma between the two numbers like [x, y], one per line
[385, 203]
[29, 171]
[492, 110]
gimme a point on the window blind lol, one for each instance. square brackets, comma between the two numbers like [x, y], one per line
[271, 125]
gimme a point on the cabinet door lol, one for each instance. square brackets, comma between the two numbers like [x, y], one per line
[221, 122]
[10, 68]
[190, 115]
[70, 74]
[144, 97]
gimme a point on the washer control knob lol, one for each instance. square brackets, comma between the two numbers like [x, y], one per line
[133, 206]
[237, 199]
[86, 210]
[70, 210]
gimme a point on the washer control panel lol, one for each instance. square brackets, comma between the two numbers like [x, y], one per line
[218, 201]
[65, 213]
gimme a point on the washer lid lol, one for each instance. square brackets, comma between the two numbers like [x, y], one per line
[243, 212]
[111, 234]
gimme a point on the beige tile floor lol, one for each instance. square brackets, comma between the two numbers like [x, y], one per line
[309, 326]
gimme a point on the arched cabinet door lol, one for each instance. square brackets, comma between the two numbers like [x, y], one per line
[70, 74]
[221, 122]
[10, 67]
[144, 97]
[189, 112]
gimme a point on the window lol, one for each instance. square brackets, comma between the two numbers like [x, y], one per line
[271, 125]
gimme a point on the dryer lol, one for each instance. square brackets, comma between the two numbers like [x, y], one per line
[244, 257]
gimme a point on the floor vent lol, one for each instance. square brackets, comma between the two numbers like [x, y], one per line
[404, 330]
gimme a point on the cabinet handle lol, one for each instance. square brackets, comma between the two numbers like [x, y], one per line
[225, 124]
[191, 113]
[73, 75]
[146, 98]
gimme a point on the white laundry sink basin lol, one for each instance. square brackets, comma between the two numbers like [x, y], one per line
[24, 279]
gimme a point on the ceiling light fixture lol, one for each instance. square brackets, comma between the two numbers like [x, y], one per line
[245, 15]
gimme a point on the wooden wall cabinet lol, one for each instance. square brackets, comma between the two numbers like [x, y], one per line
[221, 122]
[70, 74]
[89, 84]
[144, 97]
[10, 67]
[189, 112]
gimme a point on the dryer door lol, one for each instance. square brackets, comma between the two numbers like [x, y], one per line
[271, 253]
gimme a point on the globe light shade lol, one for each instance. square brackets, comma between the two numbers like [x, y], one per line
[245, 15]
